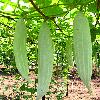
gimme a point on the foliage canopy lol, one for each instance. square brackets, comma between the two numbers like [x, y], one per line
[59, 15]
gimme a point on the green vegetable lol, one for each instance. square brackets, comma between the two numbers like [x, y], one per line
[20, 48]
[69, 51]
[83, 48]
[45, 60]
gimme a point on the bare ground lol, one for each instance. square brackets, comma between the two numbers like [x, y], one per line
[9, 88]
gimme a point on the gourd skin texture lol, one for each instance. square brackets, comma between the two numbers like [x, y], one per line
[83, 48]
[20, 48]
[45, 60]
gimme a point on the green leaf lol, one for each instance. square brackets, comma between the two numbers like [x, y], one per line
[93, 34]
[68, 1]
[76, 2]
[45, 60]
[69, 51]
[83, 48]
[92, 7]
[26, 1]
[53, 11]
[43, 3]
[20, 48]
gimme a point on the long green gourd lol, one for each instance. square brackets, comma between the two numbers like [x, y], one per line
[20, 48]
[83, 48]
[69, 51]
[45, 60]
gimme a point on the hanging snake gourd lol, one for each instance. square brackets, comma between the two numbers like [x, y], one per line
[83, 48]
[20, 48]
[45, 60]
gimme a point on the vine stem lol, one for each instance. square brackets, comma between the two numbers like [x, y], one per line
[38, 9]
[44, 16]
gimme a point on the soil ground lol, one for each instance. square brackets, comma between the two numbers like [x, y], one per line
[10, 84]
